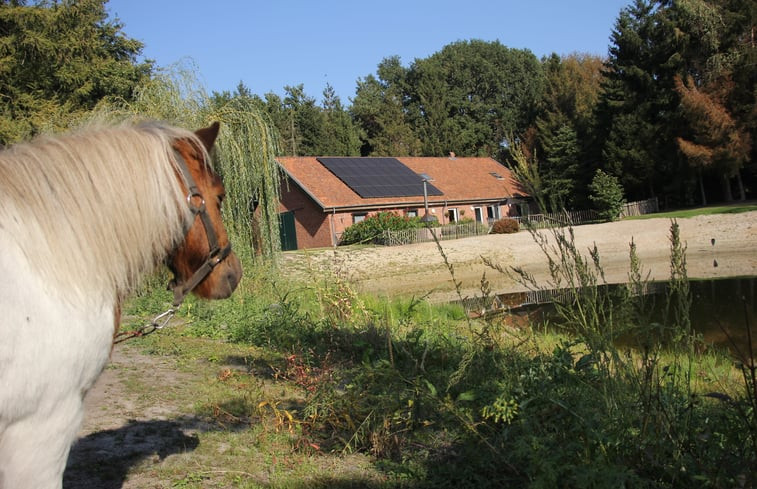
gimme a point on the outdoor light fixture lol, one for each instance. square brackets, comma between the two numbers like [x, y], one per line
[427, 217]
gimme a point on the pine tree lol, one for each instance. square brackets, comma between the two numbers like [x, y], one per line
[340, 136]
[606, 195]
[60, 58]
[637, 115]
[717, 92]
[559, 167]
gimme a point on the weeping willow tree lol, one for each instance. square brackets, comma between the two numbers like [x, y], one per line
[526, 171]
[244, 154]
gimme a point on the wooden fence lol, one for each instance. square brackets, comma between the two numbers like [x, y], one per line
[649, 206]
[537, 221]
[555, 219]
[422, 235]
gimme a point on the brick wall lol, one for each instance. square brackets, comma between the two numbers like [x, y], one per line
[311, 224]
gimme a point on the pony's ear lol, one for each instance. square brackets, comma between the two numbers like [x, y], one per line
[208, 135]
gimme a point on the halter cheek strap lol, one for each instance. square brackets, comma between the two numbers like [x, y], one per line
[216, 254]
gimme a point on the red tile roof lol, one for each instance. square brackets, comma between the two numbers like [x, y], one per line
[460, 179]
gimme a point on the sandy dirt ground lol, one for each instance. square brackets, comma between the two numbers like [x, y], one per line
[122, 429]
[420, 269]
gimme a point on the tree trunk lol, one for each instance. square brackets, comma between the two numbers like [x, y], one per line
[701, 187]
[727, 194]
[742, 193]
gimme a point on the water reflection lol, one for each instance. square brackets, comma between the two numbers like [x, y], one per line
[721, 310]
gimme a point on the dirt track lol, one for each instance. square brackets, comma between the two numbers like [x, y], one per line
[420, 269]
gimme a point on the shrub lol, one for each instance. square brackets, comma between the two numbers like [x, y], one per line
[505, 226]
[371, 228]
[606, 195]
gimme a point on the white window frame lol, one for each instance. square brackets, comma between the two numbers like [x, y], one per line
[478, 214]
[494, 211]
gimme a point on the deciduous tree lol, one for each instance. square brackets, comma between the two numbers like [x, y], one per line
[379, 111]
[467, 97]
[716, 141]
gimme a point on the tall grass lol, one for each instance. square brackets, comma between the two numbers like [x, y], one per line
[438, 399]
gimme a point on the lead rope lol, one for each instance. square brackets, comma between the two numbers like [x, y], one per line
[159, 322]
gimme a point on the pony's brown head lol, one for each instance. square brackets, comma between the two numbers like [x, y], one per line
[203, 263]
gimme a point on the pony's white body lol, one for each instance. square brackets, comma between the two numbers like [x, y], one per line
[82, 218]
[51, 352]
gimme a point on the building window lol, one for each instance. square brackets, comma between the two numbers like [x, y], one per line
[492, 212]
[356, 218]
[479, 213]
[412, 213]
[453, 215]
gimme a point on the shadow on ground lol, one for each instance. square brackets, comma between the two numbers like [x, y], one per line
[103, 459]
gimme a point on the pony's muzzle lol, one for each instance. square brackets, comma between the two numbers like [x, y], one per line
[226, 277]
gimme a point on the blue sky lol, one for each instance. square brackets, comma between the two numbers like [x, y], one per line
[274, 43]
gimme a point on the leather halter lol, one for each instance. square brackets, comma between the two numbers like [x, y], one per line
[216, 254]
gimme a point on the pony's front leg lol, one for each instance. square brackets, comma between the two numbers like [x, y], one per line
[34, 450]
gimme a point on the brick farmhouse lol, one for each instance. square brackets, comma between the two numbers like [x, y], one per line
[317, 206]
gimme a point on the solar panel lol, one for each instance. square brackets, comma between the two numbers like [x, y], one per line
[378, 177]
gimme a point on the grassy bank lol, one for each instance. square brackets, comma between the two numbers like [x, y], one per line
[311, 385]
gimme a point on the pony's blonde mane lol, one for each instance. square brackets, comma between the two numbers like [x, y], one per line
[95, 210]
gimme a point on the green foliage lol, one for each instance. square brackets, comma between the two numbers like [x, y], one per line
[606, 195]
[340, 135]
[379, 111]
[526, 170]
[641, 116]
[279, 325]
[562, 135]
[306, 129]
[60, 58]
[371, 228]
[560, 166]
[637, 112]
[470, 95]
[505, 226]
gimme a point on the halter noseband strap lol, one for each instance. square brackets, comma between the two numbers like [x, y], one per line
[216, 254]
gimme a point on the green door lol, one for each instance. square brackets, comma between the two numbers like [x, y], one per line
[287, 231]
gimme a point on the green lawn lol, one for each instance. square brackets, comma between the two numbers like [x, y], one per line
[700, 211]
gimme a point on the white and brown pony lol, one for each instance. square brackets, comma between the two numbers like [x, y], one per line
[82, 218]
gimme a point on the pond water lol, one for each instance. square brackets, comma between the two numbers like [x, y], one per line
[723, 311]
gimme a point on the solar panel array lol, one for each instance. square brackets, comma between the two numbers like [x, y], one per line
[378, 177]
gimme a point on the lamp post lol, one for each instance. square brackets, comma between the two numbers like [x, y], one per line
[427, 217]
